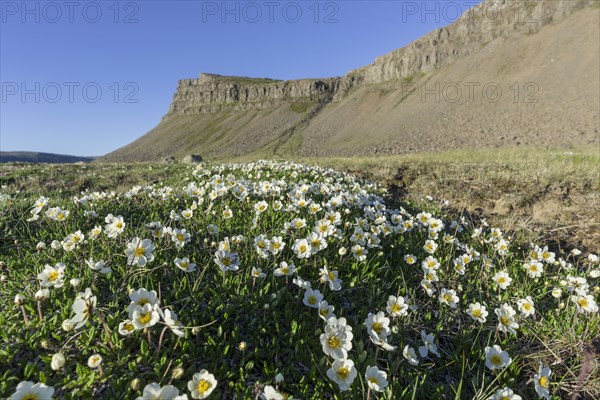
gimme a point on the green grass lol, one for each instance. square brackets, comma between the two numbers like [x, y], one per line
[245, 331]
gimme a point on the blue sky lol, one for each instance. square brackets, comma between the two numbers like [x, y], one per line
[87, 77]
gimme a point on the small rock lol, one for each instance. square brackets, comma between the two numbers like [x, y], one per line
[192, 159]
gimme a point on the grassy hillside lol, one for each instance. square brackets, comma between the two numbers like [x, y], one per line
[35, 157]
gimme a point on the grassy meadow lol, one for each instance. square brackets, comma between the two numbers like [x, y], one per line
[403, 279]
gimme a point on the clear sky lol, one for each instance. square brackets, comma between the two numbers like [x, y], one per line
[87, 77]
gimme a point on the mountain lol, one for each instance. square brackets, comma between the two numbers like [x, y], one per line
[35, 157]
[527, 76]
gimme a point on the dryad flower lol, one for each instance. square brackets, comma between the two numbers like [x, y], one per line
[542, 381]
[27, 390]
[52, 276]
[410, 355]
[428, 345]
[82, 307]
[396, 306]
[58, 361]
[337, 339]
[477, 312]
[496, 358]
[378, 326]
[202, 384]
[505, 394]
[184, 264]
[376, 379]
[312, 298]
[585, 303]
[502, 279]
[139, 252]
[153, 391]
[144, 316]
[526, 306]
[448, 297]
[343, 373]
[94, 361]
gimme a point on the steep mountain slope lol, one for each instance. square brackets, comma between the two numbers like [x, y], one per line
[530, 78]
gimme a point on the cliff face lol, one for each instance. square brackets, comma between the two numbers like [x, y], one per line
[477, 27]
[541, 58]
[215, 93]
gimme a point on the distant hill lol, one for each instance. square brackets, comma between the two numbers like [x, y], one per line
[528, 76]
[35, 157]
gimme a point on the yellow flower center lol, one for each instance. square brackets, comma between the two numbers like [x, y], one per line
[128, 327]
[275, 245]
[448, 297]
[543, 381]
[285, 270]
[316, 242]
[226, 260]
[180, 237]
[504, 320]
[377, 327]
[476, 313]
[583, 302]
[526, 306]
[396, 308]
[30, 396]
[203, 386]
[119, 225]
[501, 280]
[140, 251]
[52, 276]
[334, 342]
[324, 311]
[343, 372]
[374, 380]
[312, 300]
[496, 359]
[331, 276]
[145, 318]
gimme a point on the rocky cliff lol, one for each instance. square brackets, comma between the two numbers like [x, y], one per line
[541, 58]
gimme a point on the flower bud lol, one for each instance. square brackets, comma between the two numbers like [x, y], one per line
[58, 361]
[177, 373]
[45, 344]
[67, 325]
[19, 299]
[42, 294]
[135, 384]
[75, 282]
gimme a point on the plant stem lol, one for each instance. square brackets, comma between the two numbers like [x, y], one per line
[24, 314]
[39, 307]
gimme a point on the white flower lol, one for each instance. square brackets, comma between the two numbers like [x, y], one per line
[184, 264]
[82, 307]
[114, 225]
[430, 246]
[171, 321]
[505, 394]
[301, 283]
[343, 373]
[396, 306]
[534, 268]
[202, 384]
[526, 306]
[410, 259]
[331, 277]
[428, 345]
[284, 269]
[58, 361]
[506, 320]
[52, 276]
[257, 273]
[27, 390]
[312, 298]
[126, 328]
[585, 303]
[97, 266]
[139, 252]
[502, 279]
[477, 312]
[542, 381]
[94, 361]
[496, 358]
[144, 316]
[448, 297]
[359, 252]
[270, 393]
[376, 379]
[410, 355]
[337, 339]
[326, 310]
[226, 261]
[180, 237]
[556, 293]
[302, 249]
[153, 391]
[140, 298]
[378, 326]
